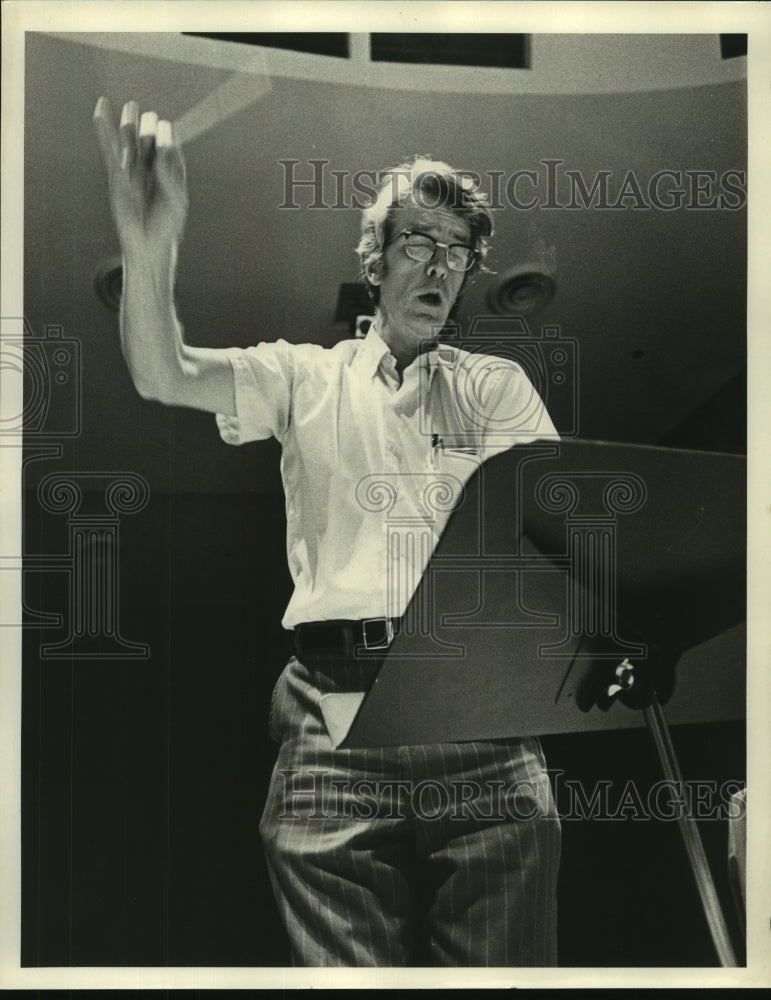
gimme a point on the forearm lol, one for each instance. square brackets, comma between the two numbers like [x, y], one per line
[151, 336]
[163, 368]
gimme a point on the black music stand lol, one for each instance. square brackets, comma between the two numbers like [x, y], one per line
[567, 573]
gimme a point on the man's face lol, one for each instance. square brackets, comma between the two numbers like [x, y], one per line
[416, 297]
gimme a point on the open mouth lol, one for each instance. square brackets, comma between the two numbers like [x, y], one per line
[432, 299]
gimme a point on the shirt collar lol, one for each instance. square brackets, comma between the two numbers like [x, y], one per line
[374, 351]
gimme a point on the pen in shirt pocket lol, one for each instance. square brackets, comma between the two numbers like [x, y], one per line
[437, 447]
[457, 447]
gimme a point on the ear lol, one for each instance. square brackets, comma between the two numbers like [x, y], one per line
[374, 270]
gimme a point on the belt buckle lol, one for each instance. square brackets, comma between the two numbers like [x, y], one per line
[389, 633]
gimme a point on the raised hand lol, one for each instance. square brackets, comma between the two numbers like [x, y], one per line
[146, 172]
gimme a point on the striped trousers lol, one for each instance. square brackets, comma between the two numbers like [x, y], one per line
[426, 855]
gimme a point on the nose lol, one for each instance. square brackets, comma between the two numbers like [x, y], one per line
[437, 268]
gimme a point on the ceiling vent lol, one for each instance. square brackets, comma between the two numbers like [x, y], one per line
[522, 291]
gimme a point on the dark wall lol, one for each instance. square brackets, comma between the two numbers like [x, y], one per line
[627, 896]
[144, 779]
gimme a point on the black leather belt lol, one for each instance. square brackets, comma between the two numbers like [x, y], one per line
[345, 639]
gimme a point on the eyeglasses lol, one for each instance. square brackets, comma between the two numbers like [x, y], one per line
[422, 247]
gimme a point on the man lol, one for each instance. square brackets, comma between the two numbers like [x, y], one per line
[366, 869]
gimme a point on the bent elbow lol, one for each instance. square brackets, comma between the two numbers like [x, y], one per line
[151, 392]
[166, 389]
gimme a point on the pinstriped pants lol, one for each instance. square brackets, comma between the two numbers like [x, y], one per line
[428, 855]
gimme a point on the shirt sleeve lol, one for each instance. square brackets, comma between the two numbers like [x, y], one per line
[514, 411]
[263, 377]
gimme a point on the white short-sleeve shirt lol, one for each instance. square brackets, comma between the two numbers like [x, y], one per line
[371, 467]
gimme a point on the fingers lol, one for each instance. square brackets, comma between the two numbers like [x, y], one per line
[135, 139]
[145, 164]
[105, 132]
[171, 164]
[148, 127]
[128, 134]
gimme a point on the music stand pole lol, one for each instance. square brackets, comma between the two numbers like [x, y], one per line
[654, 717]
